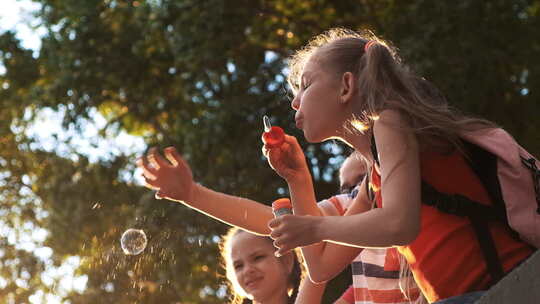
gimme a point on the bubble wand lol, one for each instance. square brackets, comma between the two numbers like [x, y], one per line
[273, 136]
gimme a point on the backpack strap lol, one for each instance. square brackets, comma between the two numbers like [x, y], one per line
[369, 190]
[374, 152]
[530, 163]
[487, 245]
[459, 205]
[484, 165]
[375, 155]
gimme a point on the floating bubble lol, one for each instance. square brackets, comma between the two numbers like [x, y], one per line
[133, 241]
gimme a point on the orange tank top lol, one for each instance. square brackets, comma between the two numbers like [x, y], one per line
[445, 258]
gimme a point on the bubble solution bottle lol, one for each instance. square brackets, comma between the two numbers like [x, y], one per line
[281, 207]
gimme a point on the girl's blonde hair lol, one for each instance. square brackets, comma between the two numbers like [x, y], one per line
[407, 282]
[384, 82]
[238, 296]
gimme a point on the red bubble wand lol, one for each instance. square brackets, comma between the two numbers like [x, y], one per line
[273, 136]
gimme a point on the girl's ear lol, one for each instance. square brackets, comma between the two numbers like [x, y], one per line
[348, 87]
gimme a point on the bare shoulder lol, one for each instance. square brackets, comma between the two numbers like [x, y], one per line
[390, 118]
[394, 137]
[391, 125]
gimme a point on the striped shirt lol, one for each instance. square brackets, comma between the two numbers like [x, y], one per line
[375, 271]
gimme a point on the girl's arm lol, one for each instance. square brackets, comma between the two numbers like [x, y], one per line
[309, 292]
[233, 210]
[326, 260]
[397, 223]
[172, 179]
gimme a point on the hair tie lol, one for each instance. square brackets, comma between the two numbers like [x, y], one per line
[368, 45]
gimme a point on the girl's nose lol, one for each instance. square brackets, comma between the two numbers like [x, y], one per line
[248, 268]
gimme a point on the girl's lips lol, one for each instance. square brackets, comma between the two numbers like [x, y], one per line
[299, 123]
[252, 282]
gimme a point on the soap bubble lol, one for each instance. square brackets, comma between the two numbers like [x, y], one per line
[133, 241]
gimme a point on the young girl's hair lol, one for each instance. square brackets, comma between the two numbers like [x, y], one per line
[238, 296]
[384, 82]
[407, 282]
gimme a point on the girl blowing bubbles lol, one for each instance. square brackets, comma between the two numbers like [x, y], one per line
[255, 273]
[354, 88]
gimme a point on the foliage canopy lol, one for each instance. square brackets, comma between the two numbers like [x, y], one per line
[199, 75]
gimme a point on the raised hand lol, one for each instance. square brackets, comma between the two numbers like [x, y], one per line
[288, 159]
[171, 176]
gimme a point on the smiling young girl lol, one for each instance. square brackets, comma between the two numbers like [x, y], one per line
[354, 88]
[254, 271]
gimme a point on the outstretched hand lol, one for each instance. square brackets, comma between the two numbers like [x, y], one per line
[291, 231]
[288, 159]
[171, 176]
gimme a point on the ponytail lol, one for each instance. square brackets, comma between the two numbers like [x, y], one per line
[384, 82]
[378, 77]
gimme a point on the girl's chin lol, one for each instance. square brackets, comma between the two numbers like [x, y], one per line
[257, 297]
[315, 138]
